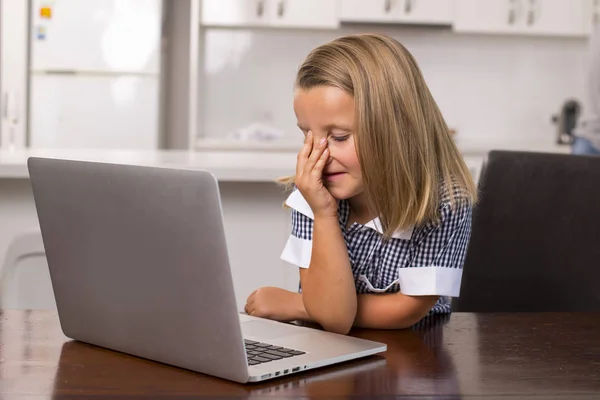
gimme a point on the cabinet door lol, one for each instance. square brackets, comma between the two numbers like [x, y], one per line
[425, 11]
[555, 17]
[527, 17]
[488, 16]
[303, 13]
[397, 11]
[367, 11]
[235, 12]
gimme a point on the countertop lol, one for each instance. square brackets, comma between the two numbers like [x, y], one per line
[232, 166]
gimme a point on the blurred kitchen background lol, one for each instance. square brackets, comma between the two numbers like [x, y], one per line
[208, 84]
[181, 74]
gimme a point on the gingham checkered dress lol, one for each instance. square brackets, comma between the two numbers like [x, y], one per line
[424, 260]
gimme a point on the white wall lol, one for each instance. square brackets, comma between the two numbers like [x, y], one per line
[488, 87]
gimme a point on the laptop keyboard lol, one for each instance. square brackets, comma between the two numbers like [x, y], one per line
[259, 353]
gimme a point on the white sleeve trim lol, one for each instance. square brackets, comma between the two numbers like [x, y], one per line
[298, 203]
[297, 251]
[426, 281]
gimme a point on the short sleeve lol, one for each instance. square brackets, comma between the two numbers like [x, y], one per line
[437, 257]
[298, 248]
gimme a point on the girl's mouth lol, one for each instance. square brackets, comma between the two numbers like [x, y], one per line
[333, 176]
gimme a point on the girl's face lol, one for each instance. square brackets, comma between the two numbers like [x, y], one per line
[328, 112]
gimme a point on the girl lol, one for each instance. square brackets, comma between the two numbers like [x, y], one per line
[381, 209]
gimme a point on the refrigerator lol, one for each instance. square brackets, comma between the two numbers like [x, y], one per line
[94, 77]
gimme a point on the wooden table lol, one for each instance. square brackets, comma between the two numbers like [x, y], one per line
[492, 355]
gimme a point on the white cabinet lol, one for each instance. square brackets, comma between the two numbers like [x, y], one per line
[487, 16]
[234, 12]
[439, 12]
[555, 17]
[526, 17]
[315, 14]
[304, 13]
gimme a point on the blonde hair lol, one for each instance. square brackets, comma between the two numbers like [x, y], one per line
[408, 159]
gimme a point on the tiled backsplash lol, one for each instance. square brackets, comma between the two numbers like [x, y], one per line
[488, 87]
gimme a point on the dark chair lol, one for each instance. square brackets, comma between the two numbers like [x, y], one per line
[535, 243]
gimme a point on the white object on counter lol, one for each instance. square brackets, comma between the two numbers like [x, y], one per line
[257, 132]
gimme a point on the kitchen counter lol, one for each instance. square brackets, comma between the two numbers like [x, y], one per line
[226, 165]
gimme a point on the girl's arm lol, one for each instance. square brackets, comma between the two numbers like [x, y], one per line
[329, 294]
[328, 289]
[435, 271]
[374, 311]
[392, 311]
[438, 265]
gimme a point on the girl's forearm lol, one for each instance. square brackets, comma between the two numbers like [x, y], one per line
[328, 288]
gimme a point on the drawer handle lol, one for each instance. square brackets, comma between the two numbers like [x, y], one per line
[512, 12]
[531, 14]
[408, 6]
[511, 17]
[260, 8]
[387, 6]
[281, 8]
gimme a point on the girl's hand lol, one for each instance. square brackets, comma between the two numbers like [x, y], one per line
[276, 304]
[309, 173]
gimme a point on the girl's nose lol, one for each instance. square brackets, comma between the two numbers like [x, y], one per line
[330, 157]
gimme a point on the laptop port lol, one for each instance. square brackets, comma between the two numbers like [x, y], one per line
[285, 371]
[296, 369]
[277, 373]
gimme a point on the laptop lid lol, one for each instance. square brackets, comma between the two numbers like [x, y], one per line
[138, 262]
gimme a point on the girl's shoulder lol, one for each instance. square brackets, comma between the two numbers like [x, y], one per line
[454, 196]
[455, 205]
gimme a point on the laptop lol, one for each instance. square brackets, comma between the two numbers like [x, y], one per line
[139, 264]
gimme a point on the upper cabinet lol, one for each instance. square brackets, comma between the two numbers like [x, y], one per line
[315, 14]
[566, 18]
[529, 17]
[436, 12]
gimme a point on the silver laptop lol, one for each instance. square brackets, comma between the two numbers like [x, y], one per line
[139, 264]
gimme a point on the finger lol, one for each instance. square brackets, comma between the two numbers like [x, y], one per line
[248, 301]
[320, 164]
[250, 298]
[250, 307]
[304, 153]
[315, 155]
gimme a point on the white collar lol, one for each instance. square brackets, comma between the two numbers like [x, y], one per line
[298, 203]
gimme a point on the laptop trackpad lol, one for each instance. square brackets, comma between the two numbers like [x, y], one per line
[267, 330]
